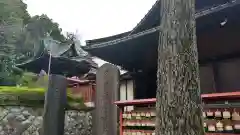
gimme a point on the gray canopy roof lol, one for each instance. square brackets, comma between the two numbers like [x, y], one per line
[70, 60]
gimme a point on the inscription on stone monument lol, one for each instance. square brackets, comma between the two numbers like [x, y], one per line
[106, 114]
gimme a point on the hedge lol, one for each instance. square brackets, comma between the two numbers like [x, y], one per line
[34, 97]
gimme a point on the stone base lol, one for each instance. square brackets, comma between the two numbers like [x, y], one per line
[28, 121]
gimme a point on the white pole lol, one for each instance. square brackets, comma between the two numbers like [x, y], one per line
[48, 75]
[49, 62]
[50, 59]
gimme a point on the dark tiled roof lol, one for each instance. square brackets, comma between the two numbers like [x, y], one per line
[116, 39]
[81, 60]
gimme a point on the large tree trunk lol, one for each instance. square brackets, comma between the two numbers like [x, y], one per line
[178, 104]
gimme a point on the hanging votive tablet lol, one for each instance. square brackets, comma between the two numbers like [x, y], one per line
[226, 114]
[129, 116]
[138, 116]
[134, 114]
[143, 114]
[219, 127]
[139, 133]
[204, 114]
[235, 115]
[153, 113]
[210, 114]
[218, 115]
[211, 128]
[134, 133]
[205, 126]
[237, 128]
[124, 115]
[228, 128]
[148, 114]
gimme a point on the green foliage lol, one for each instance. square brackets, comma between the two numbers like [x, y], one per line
[13, 12]
[40, 26]
[32, 81]
[7, 75]
[33, 97]
[30, 92]
[12, 16]
[27, 79]
[20, 35]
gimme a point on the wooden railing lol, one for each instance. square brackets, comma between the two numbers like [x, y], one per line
[222, 102]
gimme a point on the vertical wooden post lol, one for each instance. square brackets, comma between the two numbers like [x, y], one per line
[54, 107]
[105, 118]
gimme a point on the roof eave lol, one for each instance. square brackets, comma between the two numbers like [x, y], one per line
[139, 34]
[106, 39]
[146, 16]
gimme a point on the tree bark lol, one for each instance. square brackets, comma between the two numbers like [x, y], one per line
[178, 104]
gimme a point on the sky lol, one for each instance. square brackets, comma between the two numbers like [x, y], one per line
[91, 19]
